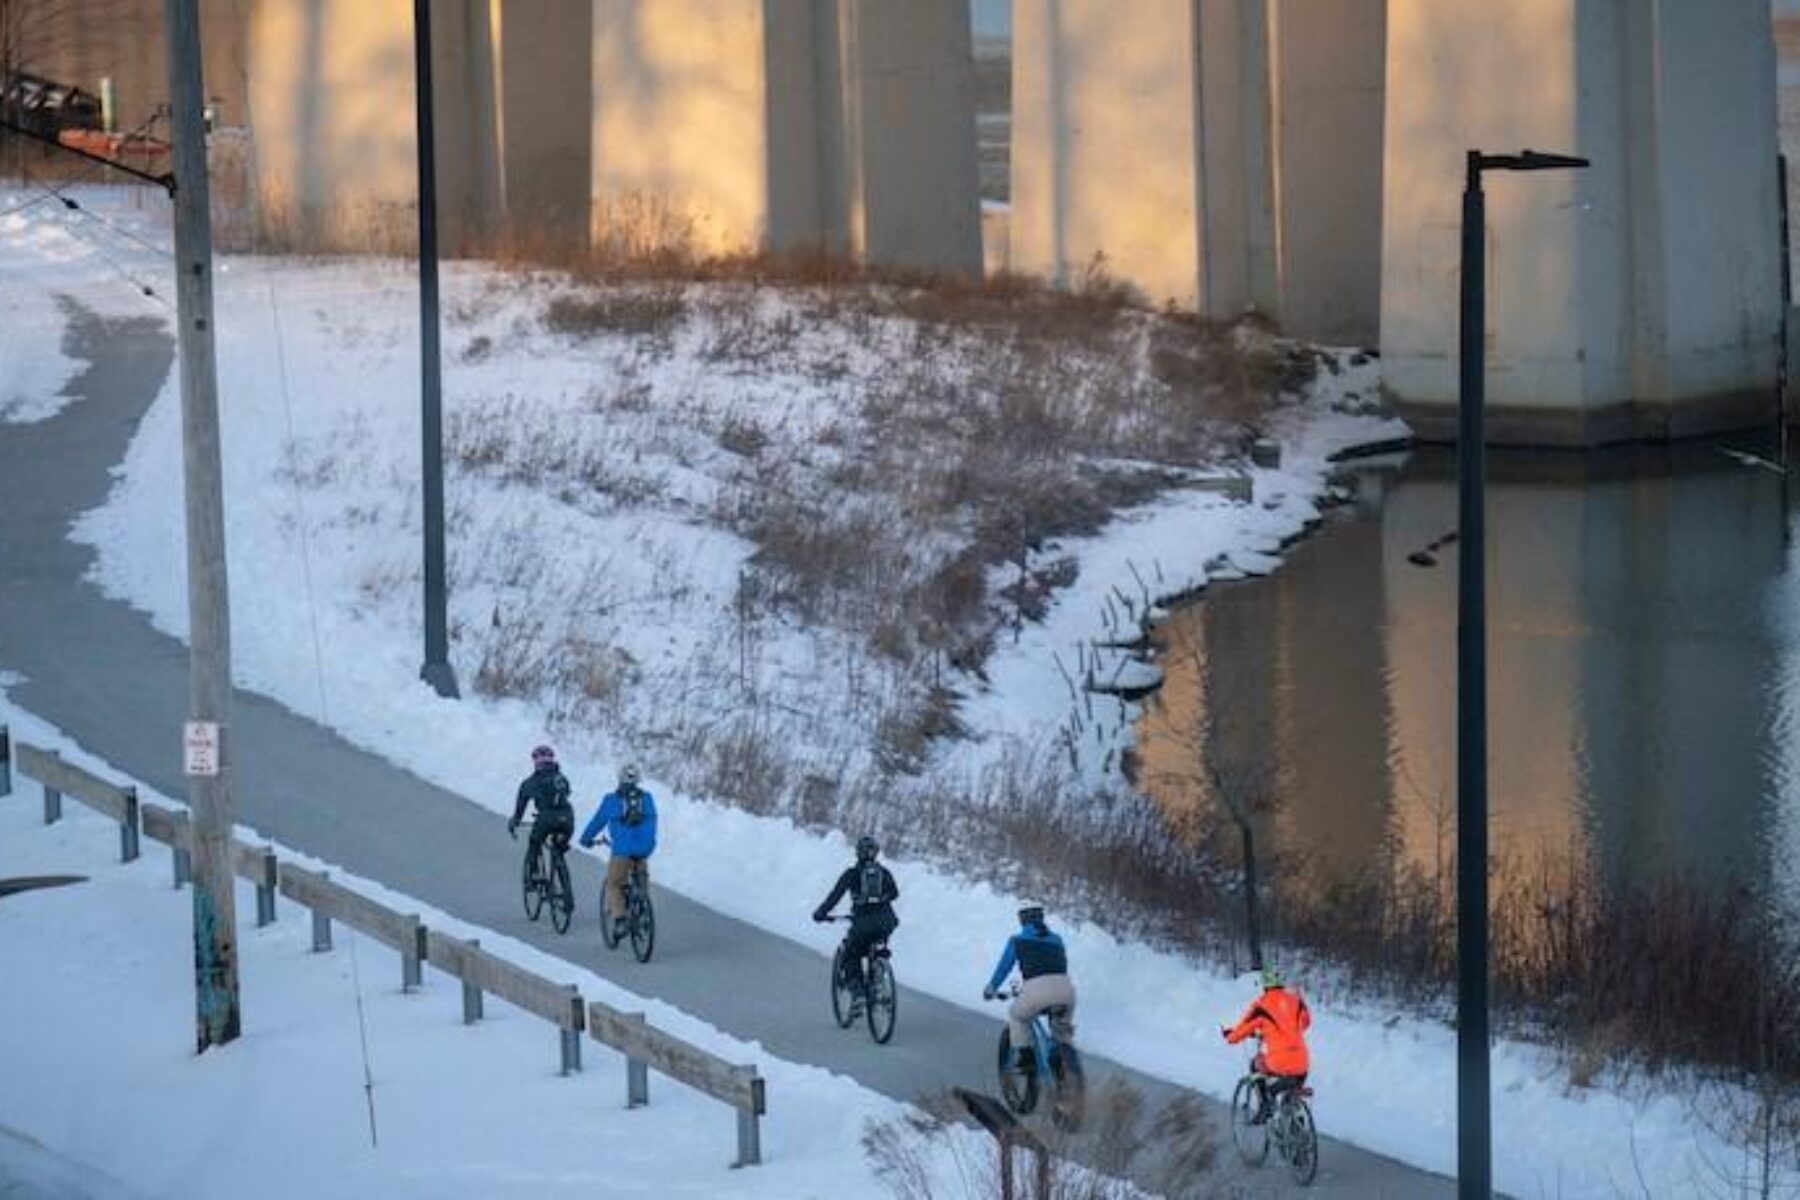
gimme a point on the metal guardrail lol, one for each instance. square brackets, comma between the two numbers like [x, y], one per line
[60, 779]
[480, 971]
[644, 1047]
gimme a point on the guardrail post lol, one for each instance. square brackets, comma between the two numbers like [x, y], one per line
[411, 972]
[321, 925]
[265, 889]
[5, 761]
[184, 865]
[471, 994]
[128, 828]
[52, 799]
[749, 1120]
[637, 1073]
[571, 1034]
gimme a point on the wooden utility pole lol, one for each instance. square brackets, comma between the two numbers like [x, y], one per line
[207, 746]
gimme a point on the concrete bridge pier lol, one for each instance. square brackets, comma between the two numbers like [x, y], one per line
[1222, 155]
[1637, 299]
[724, 126]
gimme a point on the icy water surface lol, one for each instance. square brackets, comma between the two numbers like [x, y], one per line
[1644, 673]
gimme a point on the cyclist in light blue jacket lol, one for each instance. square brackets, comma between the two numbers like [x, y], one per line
[628, 817]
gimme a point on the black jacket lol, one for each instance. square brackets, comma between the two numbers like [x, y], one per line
[547, 788]
[875, 894]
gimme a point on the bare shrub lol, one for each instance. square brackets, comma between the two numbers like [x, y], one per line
[636, 311]
[1126, 1152]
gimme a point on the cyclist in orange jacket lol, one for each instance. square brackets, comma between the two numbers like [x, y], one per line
[1279, 1019]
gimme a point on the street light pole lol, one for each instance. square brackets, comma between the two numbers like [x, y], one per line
[1474, 1132]
[437, 670]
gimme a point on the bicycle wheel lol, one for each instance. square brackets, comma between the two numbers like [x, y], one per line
[606, 922]
[643, 924]
[562, 893]
[533, 883]
[1251, 1140]
[883, 998]
[843, 1009]
[1302, 1142]
[1069, 1104]
[1018, 1088]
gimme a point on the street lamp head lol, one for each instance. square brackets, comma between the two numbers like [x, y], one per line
[1524, 160]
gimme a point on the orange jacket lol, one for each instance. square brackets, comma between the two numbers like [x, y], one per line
[1280, 1018]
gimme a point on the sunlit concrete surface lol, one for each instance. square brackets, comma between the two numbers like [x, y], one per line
[1639, 298]
[332, 104]
[731, 126]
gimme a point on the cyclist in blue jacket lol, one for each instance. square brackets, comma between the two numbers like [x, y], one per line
[1044, 964]
[628, 817]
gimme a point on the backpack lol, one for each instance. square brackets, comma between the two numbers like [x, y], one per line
[555, 797]
[631, 807]
[869, 884]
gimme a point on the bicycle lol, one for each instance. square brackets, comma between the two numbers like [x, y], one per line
[549, 884]
[881, 996]
[1289, 1125]
[640, 915]
[1052, 1059]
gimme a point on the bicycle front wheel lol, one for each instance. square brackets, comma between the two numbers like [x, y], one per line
[1302, 1143]
[562, 893]
[533, 884]
[883, 999]
[1250, 1138]
[1019, 1088]
[1069, 1105]
[643, 926]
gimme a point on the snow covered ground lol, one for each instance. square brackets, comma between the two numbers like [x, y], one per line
[101, 1095]
[320, 422]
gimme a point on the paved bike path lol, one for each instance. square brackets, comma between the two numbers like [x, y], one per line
[96, 668]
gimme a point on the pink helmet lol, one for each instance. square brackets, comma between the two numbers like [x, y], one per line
[542, 755]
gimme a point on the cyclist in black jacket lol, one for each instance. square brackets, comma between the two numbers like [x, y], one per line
[872, 893]
[548, 789]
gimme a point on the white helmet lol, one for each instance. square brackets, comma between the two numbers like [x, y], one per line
[1031, 912]
[629, 775]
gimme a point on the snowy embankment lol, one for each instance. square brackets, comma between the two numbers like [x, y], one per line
[96, 1034]
[320, 422]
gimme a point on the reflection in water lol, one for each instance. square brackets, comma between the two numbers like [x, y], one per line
[1644, 662]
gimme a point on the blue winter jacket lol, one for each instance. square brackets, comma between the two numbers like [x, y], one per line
[628, 841]
[1036, 951]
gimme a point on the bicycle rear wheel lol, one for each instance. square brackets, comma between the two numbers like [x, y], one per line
[562, 893]
[1068, 1106]
[1302, 1142]
[883, 998]
[1018, 1088]
[843, 1000]
[533, 883]
[643, 924]
[1251, 1140]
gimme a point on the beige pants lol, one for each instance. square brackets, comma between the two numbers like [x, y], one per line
[617, 869]
[1044, 991]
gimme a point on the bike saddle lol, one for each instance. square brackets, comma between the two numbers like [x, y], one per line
[880, 950]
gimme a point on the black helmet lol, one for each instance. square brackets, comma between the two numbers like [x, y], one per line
[867, 848]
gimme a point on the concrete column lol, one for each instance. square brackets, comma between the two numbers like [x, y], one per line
[331, 108]
[1142, 146]
[543, 66]
[1105, 171]
[733, 126]
[1328, 85]
[1639, 298]
[914, 180]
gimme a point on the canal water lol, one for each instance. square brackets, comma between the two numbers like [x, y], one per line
[1644, 674]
